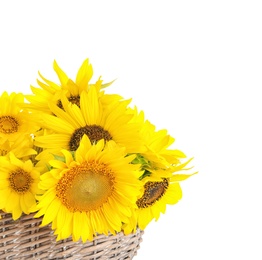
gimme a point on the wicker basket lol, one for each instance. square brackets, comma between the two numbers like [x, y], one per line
[24, 239]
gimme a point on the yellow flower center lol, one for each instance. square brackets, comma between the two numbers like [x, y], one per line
[8, 125]
[20, 181]
[153, 192]
[72, 99]
[85, 187]
[94, 133]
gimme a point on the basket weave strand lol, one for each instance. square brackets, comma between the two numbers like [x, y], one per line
[25, 239]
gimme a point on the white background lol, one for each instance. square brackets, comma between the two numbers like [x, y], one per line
[195, 68]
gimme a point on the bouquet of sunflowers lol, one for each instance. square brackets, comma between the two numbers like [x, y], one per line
[84, 161]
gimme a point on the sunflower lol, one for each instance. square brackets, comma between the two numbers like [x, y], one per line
[22, 147]
[14, 121]
[161, 174]
[94, 120]
[52, 92]
[18, 185]
[157, 193]
[89, 191]
[157, 154]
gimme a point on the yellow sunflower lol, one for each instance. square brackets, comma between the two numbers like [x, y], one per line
[52, 92]
[18, 185]
[157, 193]
[90, 191]
[157, 154]
[14, 121]
[94, 120]
[22, 147]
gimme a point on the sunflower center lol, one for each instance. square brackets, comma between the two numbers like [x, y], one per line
[20, 181]
[8, 124]
[85, 187]
[94, 133]
[72, 99]
[153, 192]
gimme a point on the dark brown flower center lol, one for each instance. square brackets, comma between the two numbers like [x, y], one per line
[153, 192]
[94, 133]
[20, 181]
[8, 124]
[72, 99]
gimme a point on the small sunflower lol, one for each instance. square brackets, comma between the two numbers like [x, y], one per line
[14, 121]
[90, 191]
[157, 193]
[18, 185]
[157, 154]
[161, 176]
[22, 147]
[52, 92]
[94, 120]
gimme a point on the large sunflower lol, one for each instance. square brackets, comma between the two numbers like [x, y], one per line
[14, 121]
[94, 120]
[52, 92]
[91, 191]
[18, 185]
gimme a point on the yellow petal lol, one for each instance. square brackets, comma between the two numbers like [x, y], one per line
[86, 232]
[180, 177]
[90, 106]
[29, 199]
[16, 213]
[51, 212]
[77, 226]
[60, 73]
[84, 75]
[57, 124]
[12, 202]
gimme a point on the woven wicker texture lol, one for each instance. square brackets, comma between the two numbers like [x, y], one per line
[24, 239]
